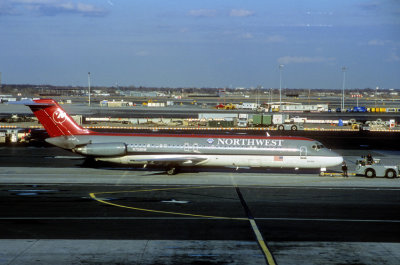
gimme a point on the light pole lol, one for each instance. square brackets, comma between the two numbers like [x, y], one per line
[343, 85]
[258, 94]
[270, 100]
[89, 86]
[280, 86]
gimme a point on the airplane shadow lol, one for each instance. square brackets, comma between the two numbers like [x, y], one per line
[90, 163]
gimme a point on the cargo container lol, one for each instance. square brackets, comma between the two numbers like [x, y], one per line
[222, 123]
[391, 109]
[304, 108]
[247, 105]
[262, 120]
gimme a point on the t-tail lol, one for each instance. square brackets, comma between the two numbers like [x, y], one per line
[54, 119]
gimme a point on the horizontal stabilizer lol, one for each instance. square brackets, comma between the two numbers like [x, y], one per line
[29, 102]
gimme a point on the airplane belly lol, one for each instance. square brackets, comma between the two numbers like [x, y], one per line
[272, 161]
[242, 161]
[182, 160]
[312, 161]
[229, 160]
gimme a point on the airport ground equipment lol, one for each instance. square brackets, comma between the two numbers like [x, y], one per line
[376, 169]
[262, 120]
[243, 120]
[228, 106]
[359, 109]
[290, 127]
[279, 121]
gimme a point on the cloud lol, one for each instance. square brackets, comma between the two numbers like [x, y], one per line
[393, 57]
[214, 13]
[203, 13]
[275, 39]
[51, 7]
[6, 8]
[369, 6]
[241, 13]
[303, 59]
[376, 42]
[142, 53]
[246, 36]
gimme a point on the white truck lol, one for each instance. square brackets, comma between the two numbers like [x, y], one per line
[283, 123]
[376, 169]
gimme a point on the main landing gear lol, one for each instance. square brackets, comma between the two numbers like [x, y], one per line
[172, 169]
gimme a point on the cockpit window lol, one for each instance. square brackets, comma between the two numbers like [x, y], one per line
[317, 146]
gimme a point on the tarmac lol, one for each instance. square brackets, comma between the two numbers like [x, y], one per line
[146, 252]
[60, 169]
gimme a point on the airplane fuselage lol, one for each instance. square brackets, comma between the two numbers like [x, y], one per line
[173, 150]
[201, 150]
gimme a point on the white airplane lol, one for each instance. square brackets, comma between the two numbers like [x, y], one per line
[174, 151]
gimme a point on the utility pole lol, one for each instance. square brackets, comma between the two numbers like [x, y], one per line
[280, 86]
[89, 86]
[343, 85]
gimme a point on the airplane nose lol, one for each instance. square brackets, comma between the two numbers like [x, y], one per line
[335, 161]
[338, 159]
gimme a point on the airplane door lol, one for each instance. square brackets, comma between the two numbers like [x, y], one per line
[195, 147]
[186, 147]
[303, 152]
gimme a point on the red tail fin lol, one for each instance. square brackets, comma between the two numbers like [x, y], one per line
[54, 119]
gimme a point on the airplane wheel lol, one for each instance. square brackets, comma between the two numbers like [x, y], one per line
[390, 173]
[370, 173]
[89, 162]
[172, 170]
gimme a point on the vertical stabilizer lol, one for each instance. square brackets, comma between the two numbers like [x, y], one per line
[54, 119]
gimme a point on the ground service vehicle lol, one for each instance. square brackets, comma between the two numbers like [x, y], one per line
[359, 109]
[376, 169]
[290, 126]
[279, 121]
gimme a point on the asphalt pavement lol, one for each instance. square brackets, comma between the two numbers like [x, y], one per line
[55, 209]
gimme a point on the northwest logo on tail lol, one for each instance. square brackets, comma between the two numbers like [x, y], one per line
[59, 116]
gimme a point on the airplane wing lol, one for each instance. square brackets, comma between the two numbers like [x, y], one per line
[184, 160]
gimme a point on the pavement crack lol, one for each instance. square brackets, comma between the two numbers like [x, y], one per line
[143, 252]
[24, 251]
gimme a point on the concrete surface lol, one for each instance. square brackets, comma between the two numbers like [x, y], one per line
[33, 175]
[61, 251]
[21, 252]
